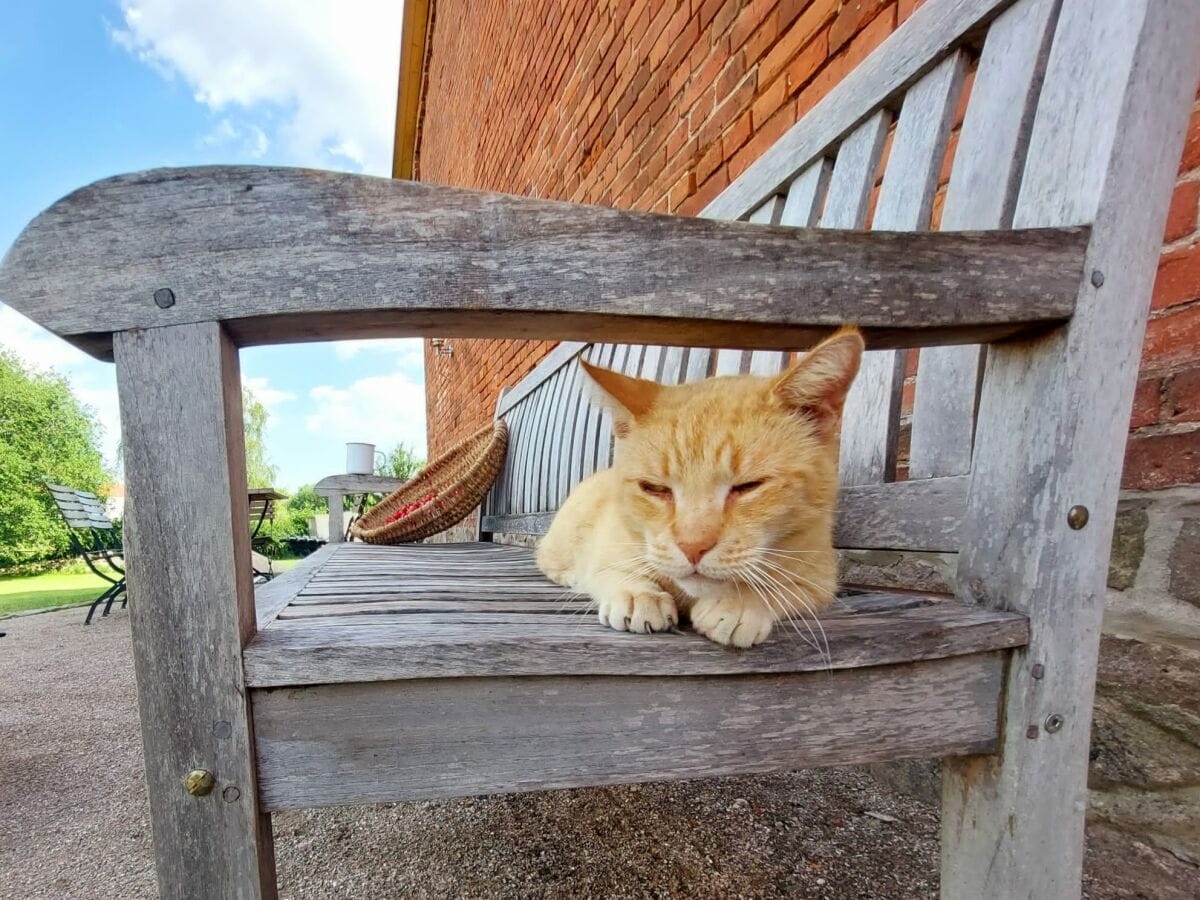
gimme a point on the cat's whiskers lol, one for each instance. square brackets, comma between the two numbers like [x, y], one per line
[795, 593]
[756, 583]
[803, 613]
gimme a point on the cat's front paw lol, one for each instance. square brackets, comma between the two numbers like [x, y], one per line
[731, 622]
[642, 611]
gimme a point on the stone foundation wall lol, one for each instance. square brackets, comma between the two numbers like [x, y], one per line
[1145, 761]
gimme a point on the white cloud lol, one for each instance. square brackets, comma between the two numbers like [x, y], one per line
[247, 140]
[409, 352]
[380, 409]
[266, 394]
[92, 381]
[319, 76]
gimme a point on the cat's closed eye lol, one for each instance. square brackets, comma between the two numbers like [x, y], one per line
[657, 490]
[745, 487]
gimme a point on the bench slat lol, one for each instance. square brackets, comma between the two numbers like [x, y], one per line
[367, 743]
[981, 194]
[904, 515]
[871, 422]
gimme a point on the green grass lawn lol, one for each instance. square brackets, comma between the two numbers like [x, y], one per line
[21, 593]
[25, 592]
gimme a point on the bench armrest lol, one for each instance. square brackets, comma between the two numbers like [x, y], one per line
[282, 255]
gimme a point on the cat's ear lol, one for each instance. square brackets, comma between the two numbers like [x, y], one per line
[627, 398]
[816, 385]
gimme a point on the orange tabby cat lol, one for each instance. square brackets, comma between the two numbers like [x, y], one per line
[719, 504]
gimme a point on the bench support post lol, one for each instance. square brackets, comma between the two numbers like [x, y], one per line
[1051, 434]
[192, 607]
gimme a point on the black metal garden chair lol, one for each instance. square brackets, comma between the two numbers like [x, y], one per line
[93, 538]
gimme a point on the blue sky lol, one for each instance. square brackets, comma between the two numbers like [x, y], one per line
[90, 89]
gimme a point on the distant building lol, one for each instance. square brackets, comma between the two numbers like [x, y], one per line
[114, 500]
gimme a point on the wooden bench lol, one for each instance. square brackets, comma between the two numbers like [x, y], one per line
[91, 534]
[378, 674]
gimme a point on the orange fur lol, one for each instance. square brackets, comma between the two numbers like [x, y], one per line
[719, 504]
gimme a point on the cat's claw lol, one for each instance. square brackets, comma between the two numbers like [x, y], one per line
[645, 612]
[732, 623]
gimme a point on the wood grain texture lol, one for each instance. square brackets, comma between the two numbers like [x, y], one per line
[425, 739]
[871, 422]
[357, 484]
[1052, 426]
[307, 255]
[188, 537]
[806, 194]
[769, 212]
[931, 31]
[272, 597]
[383, 644]
[853, 174]
[981, 194]
[699, 364]
[901, 515]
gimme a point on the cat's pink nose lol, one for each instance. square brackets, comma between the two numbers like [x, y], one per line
[694, 550]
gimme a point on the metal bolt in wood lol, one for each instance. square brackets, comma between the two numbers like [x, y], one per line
[164, 298]
[1054, 723]
[1077, 517]
[199, 782]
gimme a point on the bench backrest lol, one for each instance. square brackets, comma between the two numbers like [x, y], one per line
[79, 509]
[872, 154]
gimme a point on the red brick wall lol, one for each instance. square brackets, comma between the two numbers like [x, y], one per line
[658, 105]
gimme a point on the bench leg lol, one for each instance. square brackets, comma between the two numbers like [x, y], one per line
[1050, 436]
[189, 563]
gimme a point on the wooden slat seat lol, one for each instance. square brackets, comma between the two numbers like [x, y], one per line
[358, 630]
[423, 611]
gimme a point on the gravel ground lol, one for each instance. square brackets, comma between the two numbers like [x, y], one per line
[76, 825]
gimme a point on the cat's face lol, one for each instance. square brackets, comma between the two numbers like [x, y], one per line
[718, 475]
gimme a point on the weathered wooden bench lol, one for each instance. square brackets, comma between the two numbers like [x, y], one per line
[91, 534]
[375, 674]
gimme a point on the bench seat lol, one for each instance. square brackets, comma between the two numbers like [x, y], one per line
[369, 658]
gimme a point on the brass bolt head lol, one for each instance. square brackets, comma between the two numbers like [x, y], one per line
[1077, 517]
[199, 782]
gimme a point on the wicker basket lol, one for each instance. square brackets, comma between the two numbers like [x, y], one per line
[440, 495]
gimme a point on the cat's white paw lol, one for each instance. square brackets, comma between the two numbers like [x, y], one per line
[731, 622]
[639, 611]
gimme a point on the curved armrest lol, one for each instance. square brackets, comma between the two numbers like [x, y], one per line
[282, 255]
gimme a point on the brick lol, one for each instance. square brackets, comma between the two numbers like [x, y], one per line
[770, 99]
[749, 18]
[1181, 217]
[705, 194]
[1182, 400]
[792, 40]
[764, 136]
[709, 160]
[1147, 402]
[738, 133]
[911, 362]
[850, 20]
[1156, 461]
[1172, 339]
[1178, 279]
[681, 190]
[759, 40]
[1191, 146]
[804, 66]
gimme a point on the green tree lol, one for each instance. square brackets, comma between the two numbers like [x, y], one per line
[259, 471]
[308, 501]
[46, 434]
[400, 462]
